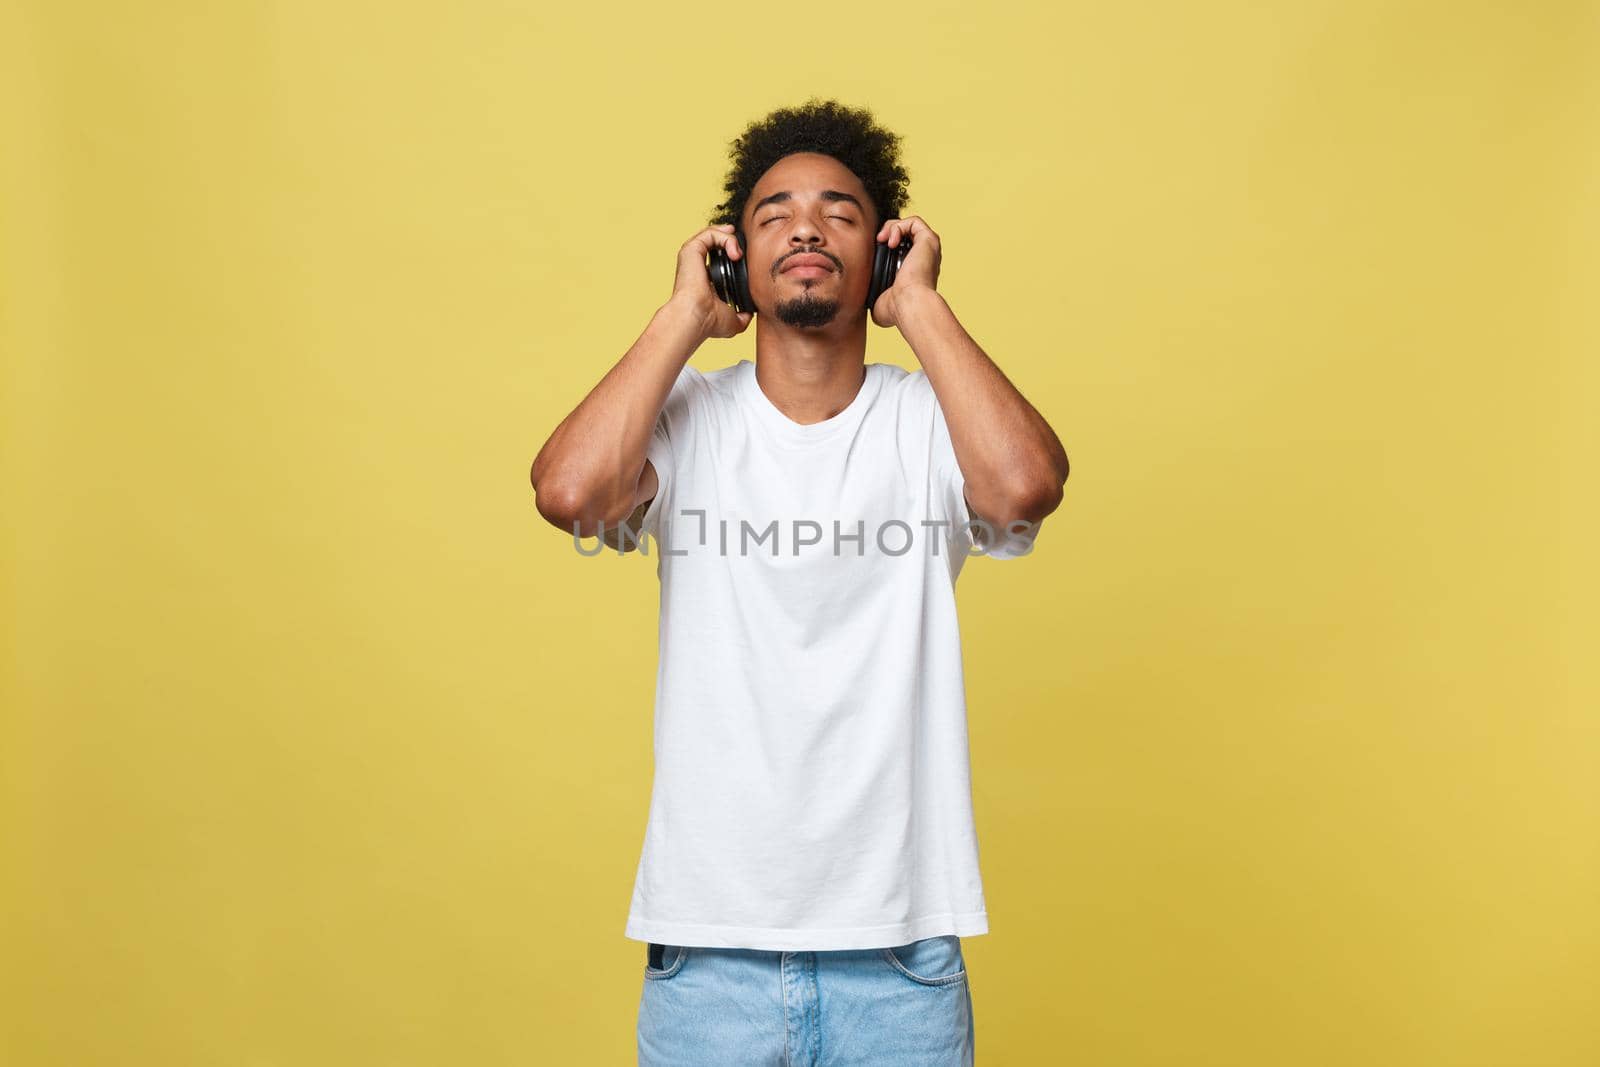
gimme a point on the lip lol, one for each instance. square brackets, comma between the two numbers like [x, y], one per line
[809, 263]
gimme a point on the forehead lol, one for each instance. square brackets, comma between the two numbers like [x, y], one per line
[807, 173]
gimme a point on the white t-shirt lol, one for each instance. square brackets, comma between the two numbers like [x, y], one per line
[812, 785]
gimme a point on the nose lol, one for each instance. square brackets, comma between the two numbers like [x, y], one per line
[805, 230]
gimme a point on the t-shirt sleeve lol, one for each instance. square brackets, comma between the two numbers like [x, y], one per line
[966, 528]
[669, 445]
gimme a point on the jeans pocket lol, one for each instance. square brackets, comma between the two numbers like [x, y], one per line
[664, 961]
[931, 961]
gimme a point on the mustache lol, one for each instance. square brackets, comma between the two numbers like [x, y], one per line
[777, 267]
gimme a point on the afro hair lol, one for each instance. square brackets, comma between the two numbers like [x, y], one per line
[849, 135]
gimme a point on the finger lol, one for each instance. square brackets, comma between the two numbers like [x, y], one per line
[904, 228]
[727, 239]
[918, 232]
[913, 228]
[712, 236]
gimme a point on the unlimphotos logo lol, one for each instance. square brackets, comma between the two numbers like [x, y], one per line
[893, 537]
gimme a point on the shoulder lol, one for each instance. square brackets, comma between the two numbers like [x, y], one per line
[911, 386]
[721, 382]
[689, 392]
[900, 386]
[894, 376]
[690, 380]
[909, 394]
[695, 387]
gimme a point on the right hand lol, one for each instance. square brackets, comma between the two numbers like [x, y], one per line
[692, 287]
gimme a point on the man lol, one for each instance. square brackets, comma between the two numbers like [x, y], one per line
[810, 862]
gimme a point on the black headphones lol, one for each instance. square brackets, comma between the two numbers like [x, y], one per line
[731, 280]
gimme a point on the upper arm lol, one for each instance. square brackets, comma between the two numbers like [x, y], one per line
[643, 495]
[991, 534]
[1004, 543]
[649, 482]
[669, 440]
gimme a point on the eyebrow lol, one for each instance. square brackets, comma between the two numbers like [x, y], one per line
[827, 194]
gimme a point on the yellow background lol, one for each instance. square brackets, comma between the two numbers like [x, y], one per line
[320, 747]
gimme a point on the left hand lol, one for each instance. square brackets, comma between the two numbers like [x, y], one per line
[919, 271]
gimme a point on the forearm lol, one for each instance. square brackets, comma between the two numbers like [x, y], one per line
[590, 466]
[1014, 464]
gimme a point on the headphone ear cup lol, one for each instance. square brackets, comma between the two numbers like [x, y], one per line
[880, 268]
[885, 266]
[728, 278]
[717, 271]
[741, 276]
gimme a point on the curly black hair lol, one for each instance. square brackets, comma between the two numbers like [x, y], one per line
[850, 135]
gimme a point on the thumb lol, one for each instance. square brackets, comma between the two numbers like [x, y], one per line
[744, 318]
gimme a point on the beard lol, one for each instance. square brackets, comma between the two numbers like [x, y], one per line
[807, 310]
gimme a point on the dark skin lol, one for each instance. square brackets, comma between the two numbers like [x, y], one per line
[810, 373]
[811, 339]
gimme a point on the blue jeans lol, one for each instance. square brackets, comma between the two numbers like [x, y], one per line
[739, 1007]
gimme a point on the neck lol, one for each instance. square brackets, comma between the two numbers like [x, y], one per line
[811, 380]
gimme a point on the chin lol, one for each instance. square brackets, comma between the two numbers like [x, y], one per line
[807, 311]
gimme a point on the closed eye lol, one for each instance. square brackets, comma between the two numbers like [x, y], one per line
[841, 218]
